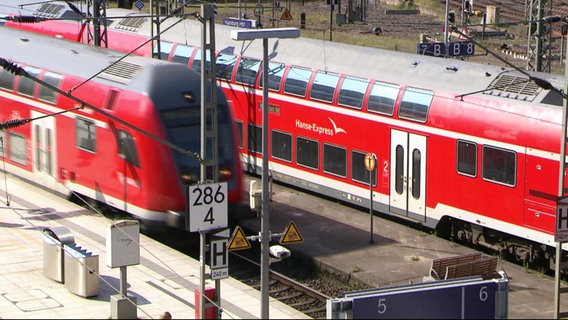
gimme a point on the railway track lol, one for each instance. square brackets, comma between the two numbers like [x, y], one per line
[289, 291]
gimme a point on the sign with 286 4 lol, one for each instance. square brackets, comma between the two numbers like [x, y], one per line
[208, 208]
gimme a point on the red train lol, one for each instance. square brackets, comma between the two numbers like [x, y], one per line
[136, 150]
[469, 149]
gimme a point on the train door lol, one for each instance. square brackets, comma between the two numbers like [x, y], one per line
[408, 175]
[43, 150]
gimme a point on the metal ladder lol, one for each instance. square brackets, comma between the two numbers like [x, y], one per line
[209, 167]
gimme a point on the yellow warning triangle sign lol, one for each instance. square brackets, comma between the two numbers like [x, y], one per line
[238, 240]
[291, 234]
[286, 15]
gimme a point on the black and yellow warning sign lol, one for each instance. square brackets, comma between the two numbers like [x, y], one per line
[291, 234]
[238, 240]
[286, 15]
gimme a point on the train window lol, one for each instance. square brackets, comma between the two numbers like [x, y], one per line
[399, 165]
[323, 87]
[239, 126]
[254, 141]
[416, 176]
[164, 49]
[6, 79]
[224, 66]
[247, 71]
[382, 97]
[2, 142]
[499, 165]
[334, 160]
[49, 151]
[275, 73]
[359, 172]
[86, 134]
[182, 54]
[26, 85]
[352, 92]
[38, 155]
[415, 104]
[467, 158]
[281, 146]
[127, 148]
[48, 94]
[17, 147]
[297, 81]
[307, 153]
[196, 65]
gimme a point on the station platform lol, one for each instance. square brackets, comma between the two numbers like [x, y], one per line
[338, 238]
[164, 281]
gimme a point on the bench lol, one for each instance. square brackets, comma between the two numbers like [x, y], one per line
[439, 266]
[484, 267]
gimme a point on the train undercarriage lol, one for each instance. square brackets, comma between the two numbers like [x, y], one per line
[509, 247]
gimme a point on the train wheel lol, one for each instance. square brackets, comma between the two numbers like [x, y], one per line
[444, 228]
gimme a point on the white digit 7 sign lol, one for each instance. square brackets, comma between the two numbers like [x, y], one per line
[208, 208]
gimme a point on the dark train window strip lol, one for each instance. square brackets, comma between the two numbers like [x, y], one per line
[307, 153]
[467, 158]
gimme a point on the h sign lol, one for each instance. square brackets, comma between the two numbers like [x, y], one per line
[219, 254]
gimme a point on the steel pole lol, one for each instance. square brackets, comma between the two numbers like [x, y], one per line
[446, 29]
[562, 166]
[265, 224]
[371, 241]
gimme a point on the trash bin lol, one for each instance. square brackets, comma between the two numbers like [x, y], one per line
[81, 271]
[53, 241]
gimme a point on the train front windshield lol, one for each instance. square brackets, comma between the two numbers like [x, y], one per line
[183, 127]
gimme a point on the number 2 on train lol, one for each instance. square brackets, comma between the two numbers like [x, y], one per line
[208, 209]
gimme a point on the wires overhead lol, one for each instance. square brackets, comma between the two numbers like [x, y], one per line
[544, 84]
[19, 71]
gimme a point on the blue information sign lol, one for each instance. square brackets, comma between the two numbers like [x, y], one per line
[240, 23]
[455, 49]
[467, 301]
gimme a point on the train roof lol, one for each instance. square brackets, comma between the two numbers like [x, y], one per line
[449, 75]
[72, 58]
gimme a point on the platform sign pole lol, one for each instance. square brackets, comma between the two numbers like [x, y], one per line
[561, 234]
[265, 209]
[264, 34]
[370, 162]
[211, 201]
[202, 241]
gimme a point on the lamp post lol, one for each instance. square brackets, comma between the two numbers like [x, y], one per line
[264, 34]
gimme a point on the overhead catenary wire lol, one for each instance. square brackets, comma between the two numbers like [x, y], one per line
[544, 84]
[19, 71]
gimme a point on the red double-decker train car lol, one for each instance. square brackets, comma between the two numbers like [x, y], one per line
[128, 135]
[471, 150]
